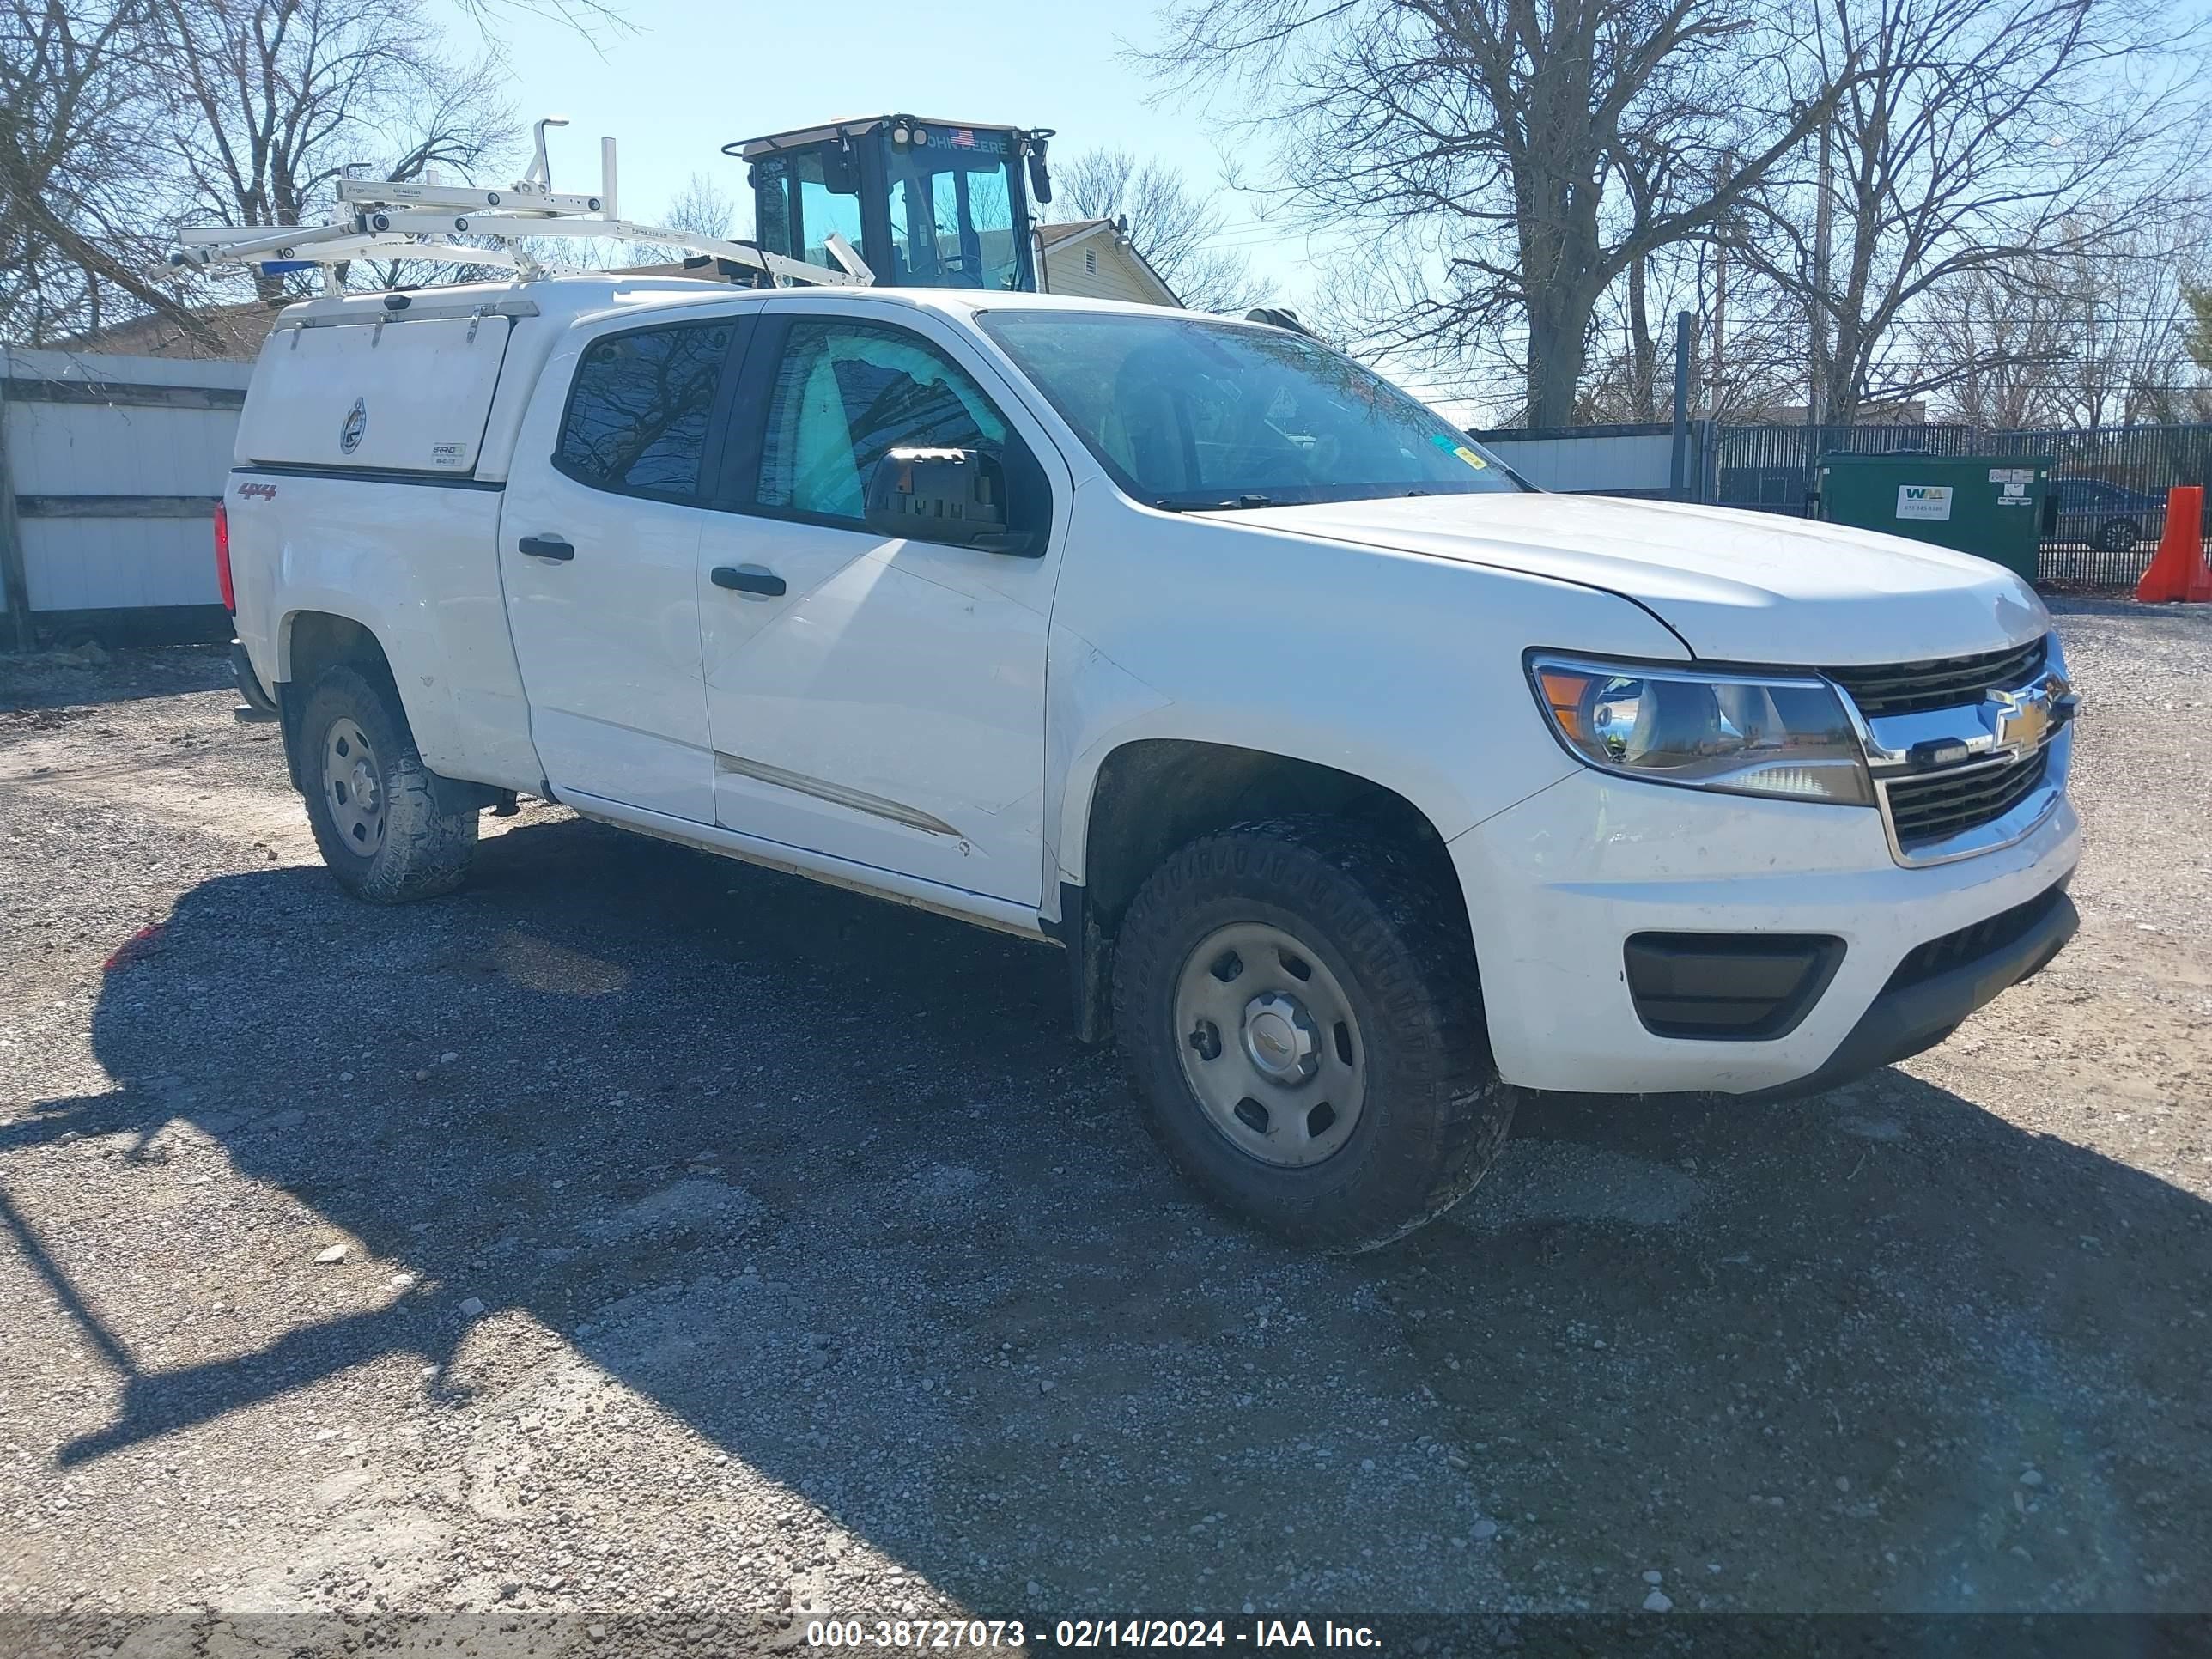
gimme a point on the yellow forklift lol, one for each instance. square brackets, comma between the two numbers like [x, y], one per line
[927, 203]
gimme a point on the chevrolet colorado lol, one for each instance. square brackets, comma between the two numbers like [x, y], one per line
[1364, 786]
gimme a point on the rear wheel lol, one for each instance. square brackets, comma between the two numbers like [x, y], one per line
[1304, 1032]
[2118, 535]
[371, 801]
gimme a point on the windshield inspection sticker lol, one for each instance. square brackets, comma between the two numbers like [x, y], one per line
[1923, 501]
[1460, 450]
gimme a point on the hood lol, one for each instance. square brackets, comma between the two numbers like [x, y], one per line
[1737, 585]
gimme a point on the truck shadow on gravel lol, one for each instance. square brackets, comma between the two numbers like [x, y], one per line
[828, 1180]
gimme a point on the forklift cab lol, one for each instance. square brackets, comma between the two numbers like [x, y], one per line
[928, 203]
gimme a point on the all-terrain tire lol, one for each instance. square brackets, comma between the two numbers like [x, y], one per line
[414, 850]
[1435, 1113]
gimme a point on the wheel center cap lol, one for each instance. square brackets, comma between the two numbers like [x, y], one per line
[1279, 1040]
[364, 786]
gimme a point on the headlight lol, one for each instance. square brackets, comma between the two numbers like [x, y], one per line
[1745, 734]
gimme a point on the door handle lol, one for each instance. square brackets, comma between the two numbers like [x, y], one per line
[748, 579]
[545, 547]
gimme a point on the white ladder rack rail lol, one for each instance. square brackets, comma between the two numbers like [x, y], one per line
[394, 219]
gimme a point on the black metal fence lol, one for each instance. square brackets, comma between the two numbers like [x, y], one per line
[2112, 483]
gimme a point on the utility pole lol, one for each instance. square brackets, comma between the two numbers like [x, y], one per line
[2096, 374]
[1816, 378]
[1816, 316]
[1685, 334]
[1720, 329]
[1710, 483]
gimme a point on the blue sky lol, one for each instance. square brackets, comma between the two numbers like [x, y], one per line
[688, 77]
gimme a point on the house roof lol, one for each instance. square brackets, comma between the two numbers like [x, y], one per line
[1054, 235]
[239, 330]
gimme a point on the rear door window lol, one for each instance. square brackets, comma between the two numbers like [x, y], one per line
[643, 409]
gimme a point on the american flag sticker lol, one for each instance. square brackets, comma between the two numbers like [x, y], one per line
[964, 138]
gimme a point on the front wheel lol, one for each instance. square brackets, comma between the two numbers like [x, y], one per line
[1304, 1032]
[371, 801]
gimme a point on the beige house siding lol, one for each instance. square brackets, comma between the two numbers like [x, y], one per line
[1099, 266]
[1116, 277]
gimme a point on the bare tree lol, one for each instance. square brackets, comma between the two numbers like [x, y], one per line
[1629, 384]
[2003, 139]
[1998, 345]
[77, 190]
[2079, 340]
[1629, 371]
[1169, 223]
[703, 207]
[1482, 144]
[273, 100]
[2128, 311]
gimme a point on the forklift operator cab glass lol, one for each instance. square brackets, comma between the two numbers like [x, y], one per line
[799, 198]
[1192, 414]
[953, 200]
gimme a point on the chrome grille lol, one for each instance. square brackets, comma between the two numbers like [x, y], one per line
[1938, 804]
[1910, 687]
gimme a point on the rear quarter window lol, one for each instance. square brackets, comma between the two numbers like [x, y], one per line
[639, 407]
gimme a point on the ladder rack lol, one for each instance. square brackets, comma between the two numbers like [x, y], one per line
[393, 219]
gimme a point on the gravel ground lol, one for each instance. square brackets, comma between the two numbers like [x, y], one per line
[636, 1232]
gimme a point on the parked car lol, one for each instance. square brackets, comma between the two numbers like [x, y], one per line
[1364, 786]
[2108, 516]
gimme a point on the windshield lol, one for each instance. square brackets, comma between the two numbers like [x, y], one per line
[953, 195]
[1189, 413]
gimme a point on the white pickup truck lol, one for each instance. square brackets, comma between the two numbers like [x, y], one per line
[1364, 786]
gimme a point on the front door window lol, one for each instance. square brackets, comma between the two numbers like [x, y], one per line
[847, 394]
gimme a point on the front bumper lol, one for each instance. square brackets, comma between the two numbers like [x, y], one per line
[1556, 885]
[1916, 1011]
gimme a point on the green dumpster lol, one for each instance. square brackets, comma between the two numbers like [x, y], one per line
[1989, 505]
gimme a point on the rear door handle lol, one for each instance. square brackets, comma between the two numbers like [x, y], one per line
[545, 547]
[748, 579]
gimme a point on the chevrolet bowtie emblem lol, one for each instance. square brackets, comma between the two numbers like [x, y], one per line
[2025, 719]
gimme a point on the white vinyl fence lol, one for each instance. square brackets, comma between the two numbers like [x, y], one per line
[1611, 460]
[110, 469]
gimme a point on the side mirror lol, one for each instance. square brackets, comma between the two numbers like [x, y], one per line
[1040, 175]
[957, 496]
[840, 170]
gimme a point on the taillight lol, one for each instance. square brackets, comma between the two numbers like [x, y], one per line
[222, 558]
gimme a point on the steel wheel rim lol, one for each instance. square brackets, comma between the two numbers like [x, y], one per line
[353, 788]
[1270, 1045]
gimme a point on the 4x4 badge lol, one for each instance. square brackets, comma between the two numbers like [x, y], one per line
[356, 422]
